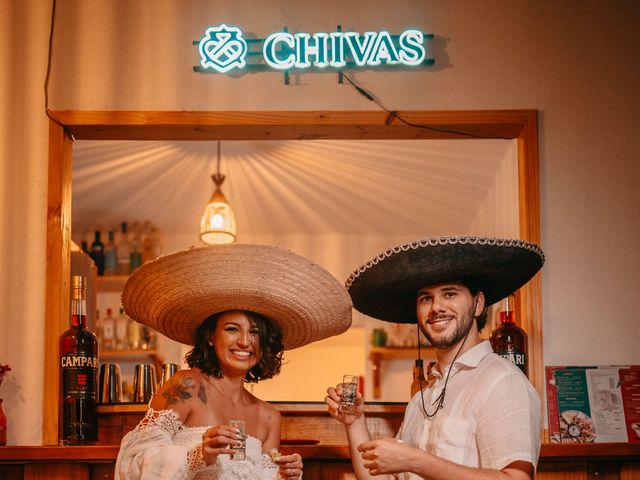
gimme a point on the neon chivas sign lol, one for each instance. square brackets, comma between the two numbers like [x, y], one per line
[224, 49]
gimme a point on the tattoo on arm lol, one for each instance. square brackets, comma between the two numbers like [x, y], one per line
[178, 392]
[202, 394]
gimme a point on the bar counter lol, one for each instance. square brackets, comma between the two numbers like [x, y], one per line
[592, 461]
[302, 424]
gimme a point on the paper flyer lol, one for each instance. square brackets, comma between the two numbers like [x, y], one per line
[630, 392]
[605, 400]
[553, 416]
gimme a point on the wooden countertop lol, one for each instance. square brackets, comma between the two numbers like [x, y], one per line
[283, 407]
[108, 453]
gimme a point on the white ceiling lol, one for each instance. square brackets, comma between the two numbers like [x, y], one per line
[314, 187]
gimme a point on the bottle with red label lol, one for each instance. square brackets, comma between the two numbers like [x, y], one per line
[509, 340]
[78, 416]
[419, 382]
[3, 426]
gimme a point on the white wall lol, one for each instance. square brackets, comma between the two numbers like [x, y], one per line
[23, 208]
[574, 61]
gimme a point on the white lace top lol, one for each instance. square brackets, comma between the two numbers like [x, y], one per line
[162, 448]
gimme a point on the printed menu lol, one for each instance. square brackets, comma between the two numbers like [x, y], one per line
[630, 389]
[593, 403]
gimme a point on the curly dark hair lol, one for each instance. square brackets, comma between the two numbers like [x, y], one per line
[203, 355]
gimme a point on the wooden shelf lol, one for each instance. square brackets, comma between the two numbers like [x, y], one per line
[591, 451]
[128, 354]
[111, 283]
[378, 354]
[392, 353]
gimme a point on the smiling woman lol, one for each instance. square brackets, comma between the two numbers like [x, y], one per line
[239, 306]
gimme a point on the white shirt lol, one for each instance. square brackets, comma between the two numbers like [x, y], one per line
[162, 448]
[490, 416]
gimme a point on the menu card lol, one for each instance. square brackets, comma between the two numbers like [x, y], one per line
[593, 403]
[630, 389]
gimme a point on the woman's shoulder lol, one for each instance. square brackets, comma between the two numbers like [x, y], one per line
[181, 393]
[266, 410]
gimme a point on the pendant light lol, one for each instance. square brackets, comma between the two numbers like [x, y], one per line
[218, 222]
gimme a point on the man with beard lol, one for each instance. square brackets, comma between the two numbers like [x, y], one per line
[478, 417]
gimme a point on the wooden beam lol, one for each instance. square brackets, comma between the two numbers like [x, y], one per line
[57, 274]
[123, 125]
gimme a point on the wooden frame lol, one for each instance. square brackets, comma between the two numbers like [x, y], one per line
[139, 125]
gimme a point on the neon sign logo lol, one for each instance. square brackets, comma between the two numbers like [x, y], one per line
[224, 48]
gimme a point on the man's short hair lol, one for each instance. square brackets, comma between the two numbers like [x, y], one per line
[481, 320]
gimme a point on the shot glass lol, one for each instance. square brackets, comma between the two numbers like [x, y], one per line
[349, 392]
[275, 455]
[240, 446]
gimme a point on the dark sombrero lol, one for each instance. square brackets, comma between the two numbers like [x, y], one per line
[385, 287]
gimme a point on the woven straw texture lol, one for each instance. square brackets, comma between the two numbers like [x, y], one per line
[175, 293]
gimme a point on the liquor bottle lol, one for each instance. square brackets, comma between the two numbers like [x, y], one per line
[110, 256]
[123, 251]
[509, 340]
[3, 426]
[147, 242]
[78, 415]
[156, 242]
[135, 258]
[97, 253]
[99, 332]
[419, 382]
[122, 321]
[109, 331]
[134, 334]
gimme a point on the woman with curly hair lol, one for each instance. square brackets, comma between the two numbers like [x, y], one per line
[240, 306]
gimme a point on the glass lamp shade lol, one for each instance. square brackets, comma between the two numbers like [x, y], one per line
[218, 222]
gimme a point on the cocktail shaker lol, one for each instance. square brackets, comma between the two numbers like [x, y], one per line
[110, 390]
[168, 369]
[144, 383]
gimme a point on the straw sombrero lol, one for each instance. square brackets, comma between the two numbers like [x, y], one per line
[386, 286]
[176, 293]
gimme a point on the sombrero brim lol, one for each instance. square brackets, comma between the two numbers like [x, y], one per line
[174, 294]
[385, 287]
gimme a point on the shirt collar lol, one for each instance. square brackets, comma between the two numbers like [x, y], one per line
[471, 358]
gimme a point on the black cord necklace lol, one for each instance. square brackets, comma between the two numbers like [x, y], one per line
[439, 401]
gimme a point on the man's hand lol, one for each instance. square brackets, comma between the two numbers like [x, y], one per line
[333, 398]
[386, 455]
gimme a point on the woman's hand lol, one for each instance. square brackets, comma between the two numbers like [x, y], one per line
[334, 395]
[218, 440]
[289, 466]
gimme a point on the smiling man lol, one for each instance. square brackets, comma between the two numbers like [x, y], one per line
[478, 417]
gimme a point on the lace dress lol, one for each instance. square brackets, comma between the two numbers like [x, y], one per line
[162, 448]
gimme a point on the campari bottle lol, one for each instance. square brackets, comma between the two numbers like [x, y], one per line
[78, 416]
[509, 340]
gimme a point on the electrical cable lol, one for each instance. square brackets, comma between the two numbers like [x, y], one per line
[48, 75]
[394, 114]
